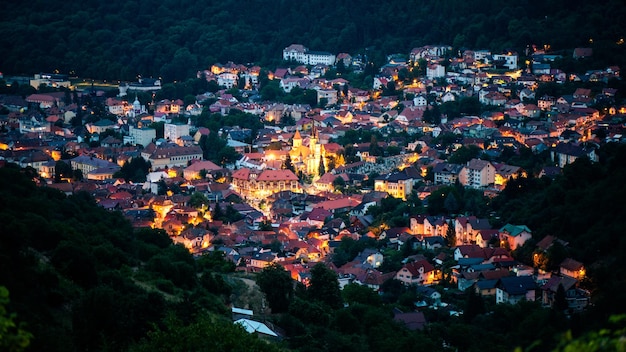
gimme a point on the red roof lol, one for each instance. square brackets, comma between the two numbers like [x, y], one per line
[414, 267]
[277, 175]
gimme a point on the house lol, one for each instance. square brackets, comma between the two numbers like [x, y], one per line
[194, 171]
[576, 298]
[446, 173]
[486, 288]
[477, 173]
[428, 292]
[420, 272]
[512, 289]
[169, 155]
[261, 184]
[505, 172]
[514, 235]
[566, 153]
[397, 184]
[435, 226]
[371, 257]
[572, 268]
[301, 54]
[436, 70]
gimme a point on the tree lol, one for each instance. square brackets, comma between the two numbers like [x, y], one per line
[13, 337]
[355, 293]
[451, 234]
[322, 168]
[277, 285]
[339, 184]
[451, 203]
[217, 213]
[324, 286]
[198, 199]
[560, 303]
[288, 164]
[62, 170]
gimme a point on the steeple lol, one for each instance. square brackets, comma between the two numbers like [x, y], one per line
[297, 140]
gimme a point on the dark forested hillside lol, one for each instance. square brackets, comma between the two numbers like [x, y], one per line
[172, 39]
[80, 278]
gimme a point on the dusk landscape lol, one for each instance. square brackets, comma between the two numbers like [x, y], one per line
[312, 176]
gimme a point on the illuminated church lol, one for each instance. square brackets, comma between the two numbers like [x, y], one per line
[307, 158]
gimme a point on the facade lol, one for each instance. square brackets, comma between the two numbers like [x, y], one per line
[174, 131]
[446, 174]
[477, 174]
[307, 159]
[87, 164]
[509, 60]
[170, 155]
[420, 272]
[301, 54]
[397, 184]
[260, 184]
[142, 135]
[514, 235]
[514, 289]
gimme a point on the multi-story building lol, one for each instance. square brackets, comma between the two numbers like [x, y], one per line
[260, 184]
[88, 164]
[140, 135]
[170, 155]
[477, 174]
[301, 54]
[174, 131]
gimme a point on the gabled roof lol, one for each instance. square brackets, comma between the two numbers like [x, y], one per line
[515, 230]
[277, 175]
[553, 284]
[252, 326]
[517, 285]
[414, 267]
[571, 264]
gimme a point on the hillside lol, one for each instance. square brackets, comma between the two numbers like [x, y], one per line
[80, 278]
[173, 39]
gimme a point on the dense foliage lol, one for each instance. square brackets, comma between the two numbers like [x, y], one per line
[173, 39]
[583, 208]
[80, 278]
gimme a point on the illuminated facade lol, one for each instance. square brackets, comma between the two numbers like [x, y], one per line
[260, 184]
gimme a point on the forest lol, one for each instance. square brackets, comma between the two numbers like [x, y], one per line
[118, 40]
[77, 277]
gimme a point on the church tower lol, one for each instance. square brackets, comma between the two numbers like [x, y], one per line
[297, 140]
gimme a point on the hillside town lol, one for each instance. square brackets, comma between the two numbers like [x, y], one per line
[292, 191]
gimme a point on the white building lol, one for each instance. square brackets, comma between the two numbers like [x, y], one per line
[174, 131]
[510, 60]
[143, 135]
[301, 54]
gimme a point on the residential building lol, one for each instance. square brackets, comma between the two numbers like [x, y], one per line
[174, 131]
[397, 184]
[513, 289]
[140, 135]
[514, 235]
[169, 155]
[420, 272]
[446, 173]
[260, 184]
[477, 174]
[301, 54]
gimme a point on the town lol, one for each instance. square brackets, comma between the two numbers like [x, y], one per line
[291, 165]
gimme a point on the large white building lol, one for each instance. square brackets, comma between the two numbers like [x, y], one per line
[301, 54]
[509, 59]
[141, 135]
[174, 131]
